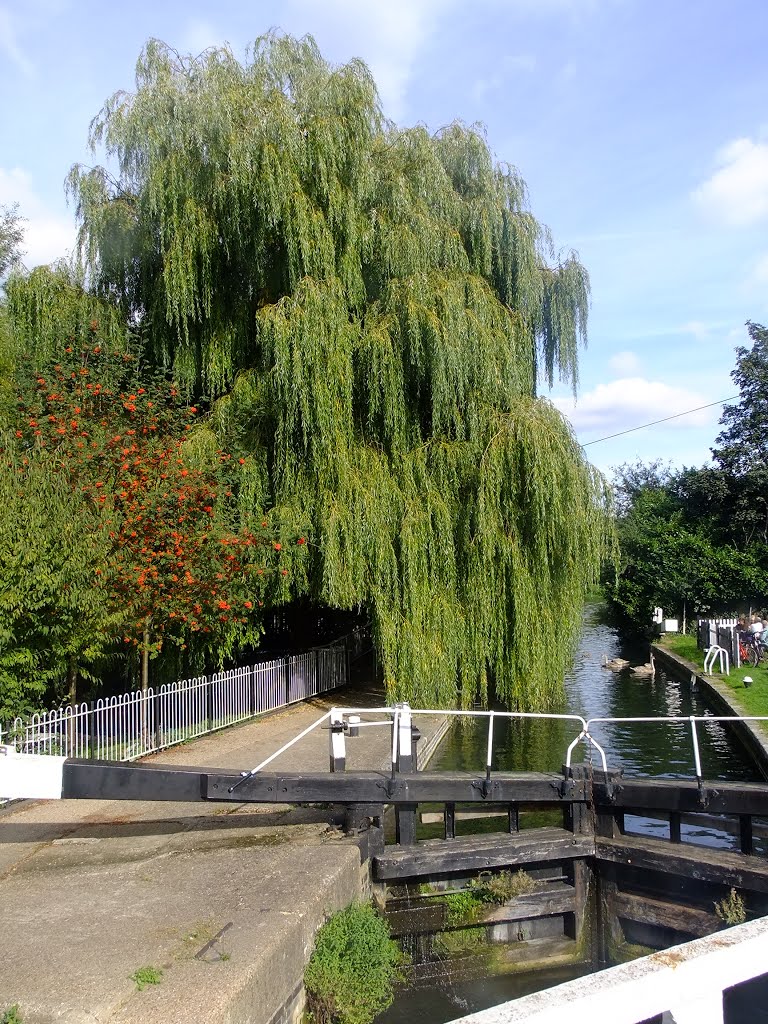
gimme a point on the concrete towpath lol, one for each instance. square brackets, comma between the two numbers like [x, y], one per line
[224, 899]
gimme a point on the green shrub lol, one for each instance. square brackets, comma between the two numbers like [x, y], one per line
[351, 973]
[502, 886]
[147, 976]
[467, 905]
[730, 909]
[462, 906]
[11, 1015]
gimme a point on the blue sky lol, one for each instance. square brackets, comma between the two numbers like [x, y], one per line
[640, 126]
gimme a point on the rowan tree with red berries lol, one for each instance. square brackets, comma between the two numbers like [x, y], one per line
[185, 565]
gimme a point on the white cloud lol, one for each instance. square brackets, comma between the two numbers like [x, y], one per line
[633, 401]
[9, 44]
[624, 363]
[198, 35]
[758, 277]
[737, 193]
[697, 329]
[48, 236]
[510, 65]
[388, 35]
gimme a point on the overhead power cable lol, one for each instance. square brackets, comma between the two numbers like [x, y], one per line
[653, 423]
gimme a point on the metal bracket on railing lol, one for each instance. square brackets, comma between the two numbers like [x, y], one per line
[585, 735]
[703, 794]
[486, 785]
[564, 788]
[611, 790]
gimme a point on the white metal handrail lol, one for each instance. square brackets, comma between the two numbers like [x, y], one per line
[400, 714]
[682, 720]
[118, 718]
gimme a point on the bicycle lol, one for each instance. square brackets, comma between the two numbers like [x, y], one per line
[752, 650]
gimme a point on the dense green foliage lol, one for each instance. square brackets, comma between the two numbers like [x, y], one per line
[295, 321]
[463, 906]
[695, 540]
[353, 967]
[371, 308]
[52, 614]
[120, 529]
[11, 237]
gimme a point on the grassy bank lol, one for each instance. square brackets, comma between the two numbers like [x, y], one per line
[751, 700]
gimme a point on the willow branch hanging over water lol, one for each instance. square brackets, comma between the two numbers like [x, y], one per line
[371, 307]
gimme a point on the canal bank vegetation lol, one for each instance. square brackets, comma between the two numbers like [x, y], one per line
[489, 888]
[750, 698]
[359, 319]
[353, 968]
[695, 541]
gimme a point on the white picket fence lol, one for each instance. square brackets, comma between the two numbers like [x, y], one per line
[720, 633]
[130, 725]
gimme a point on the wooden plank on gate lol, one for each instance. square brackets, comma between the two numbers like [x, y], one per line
[662, 914]
[477, 853]
[641, 795]
[720, 867]
[404, 788]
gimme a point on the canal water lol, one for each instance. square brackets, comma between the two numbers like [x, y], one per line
[591, 690]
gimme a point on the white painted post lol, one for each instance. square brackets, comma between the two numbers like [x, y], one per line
[338, 753]
[405, 816]
[30, 776]
[706, 1008]
[404, 739]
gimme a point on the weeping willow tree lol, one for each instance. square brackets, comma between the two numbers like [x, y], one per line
[370, 310]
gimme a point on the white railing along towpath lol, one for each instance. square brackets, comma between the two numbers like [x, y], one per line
[131, 725]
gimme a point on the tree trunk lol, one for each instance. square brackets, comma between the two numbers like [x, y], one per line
[71, 682]
[71, 750]
[145, 659]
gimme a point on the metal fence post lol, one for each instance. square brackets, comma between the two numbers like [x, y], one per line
[156, 701]
[128, 724]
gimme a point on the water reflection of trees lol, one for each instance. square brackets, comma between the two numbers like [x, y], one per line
[642, 748]
[666, 749]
